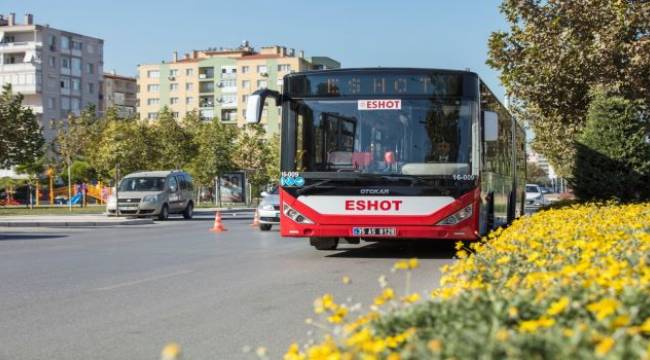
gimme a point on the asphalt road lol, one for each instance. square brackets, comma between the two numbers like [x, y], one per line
[124, 292]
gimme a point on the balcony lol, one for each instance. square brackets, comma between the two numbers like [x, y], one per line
[20, 46]
[26, 89]
[20, 67]
[206, 73]
[206, 87]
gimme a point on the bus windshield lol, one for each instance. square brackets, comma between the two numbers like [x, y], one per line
[408, 137]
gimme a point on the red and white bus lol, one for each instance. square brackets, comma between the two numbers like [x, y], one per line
[394, 153]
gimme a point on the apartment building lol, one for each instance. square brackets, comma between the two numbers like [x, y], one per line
[58, 72]
[119, 92]
[217, 82]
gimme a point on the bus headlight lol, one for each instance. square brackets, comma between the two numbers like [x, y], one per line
[294, 215]
[458, 216]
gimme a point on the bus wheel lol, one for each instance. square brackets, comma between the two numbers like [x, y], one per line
[324, 243]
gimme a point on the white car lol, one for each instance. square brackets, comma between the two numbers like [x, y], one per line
[269, 210]
[535, 196]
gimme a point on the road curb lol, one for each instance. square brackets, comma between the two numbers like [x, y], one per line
[81, 223]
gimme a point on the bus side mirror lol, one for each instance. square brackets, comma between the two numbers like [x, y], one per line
[255, 104]
[490, 126]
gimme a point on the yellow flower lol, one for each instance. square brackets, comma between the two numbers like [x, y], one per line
[406, 264]
[513, 312]
[558, 306]
[434, 345]
[410, 299]
[338, 315]
[346, 280]
[502, 335]
[620, 321]
[459, 245]
[532, 325]
[604, 346]
[293, 353]
[393, 356]
[503, 260]
[603, 308]
[645, 327]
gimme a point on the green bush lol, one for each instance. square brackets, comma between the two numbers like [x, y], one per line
[613, 153]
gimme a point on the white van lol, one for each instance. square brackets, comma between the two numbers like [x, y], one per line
[154, 193]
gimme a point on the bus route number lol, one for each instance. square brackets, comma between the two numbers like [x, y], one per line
[464, 177]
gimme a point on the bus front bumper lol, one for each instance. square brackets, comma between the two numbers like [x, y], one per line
[398, 232]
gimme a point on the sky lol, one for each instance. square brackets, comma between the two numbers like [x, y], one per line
[358, 33]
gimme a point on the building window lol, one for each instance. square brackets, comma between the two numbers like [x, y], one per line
[173, 100]
[189, 72]
[245, 69]
[65, 63]
[284, 67]
[153, 101]
[229, 83]
[189, 86]
[76, 64]
[152, 116]
[153, 74]
[91, 88]
[75, 104]
[246, 84]
[65, 42]
[244, 98]
[261, 84]
[153, 87]
[65, 83]
[175, 114]
[51, 103]
[65, 103]
[76, 84]
[229, 99]
[189, 100]
[243, 113]
[76, 45]
[173, 72]
[262, 69]
[90, 48]
[91, 68]
[52, 61]
[52, 42]
[173, 86]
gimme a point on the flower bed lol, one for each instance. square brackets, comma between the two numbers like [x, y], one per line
[563, 283]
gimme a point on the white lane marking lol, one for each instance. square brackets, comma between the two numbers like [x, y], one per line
[136, 282]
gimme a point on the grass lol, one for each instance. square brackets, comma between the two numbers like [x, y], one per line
[51, 210]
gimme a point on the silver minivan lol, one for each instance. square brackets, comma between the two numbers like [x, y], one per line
[154, 193]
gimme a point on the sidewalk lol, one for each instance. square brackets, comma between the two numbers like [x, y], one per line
[69, 220]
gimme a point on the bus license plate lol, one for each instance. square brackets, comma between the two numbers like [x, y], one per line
[374, 231]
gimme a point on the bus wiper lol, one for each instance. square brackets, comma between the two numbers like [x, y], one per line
[412, 179]
[314, 185]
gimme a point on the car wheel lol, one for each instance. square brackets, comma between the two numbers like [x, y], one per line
[189, 211]
[265, 227]
[324, 243]
[164, 213]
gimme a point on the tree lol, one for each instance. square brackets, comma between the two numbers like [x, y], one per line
[253, 155]
[613, 156]
[126, 142]
[174, 143]
[273, 168]
[215, 144]
[557, 51]
[21, 137]
[536, 175]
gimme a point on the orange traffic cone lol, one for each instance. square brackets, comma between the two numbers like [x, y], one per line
[256, 219]
[218, 225]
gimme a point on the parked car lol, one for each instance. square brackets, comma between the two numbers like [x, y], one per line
[154, 193]
[535, 196]
[269, 209]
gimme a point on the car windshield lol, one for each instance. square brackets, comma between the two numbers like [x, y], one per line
[417, 137]
[143, 184]
[532, 189]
